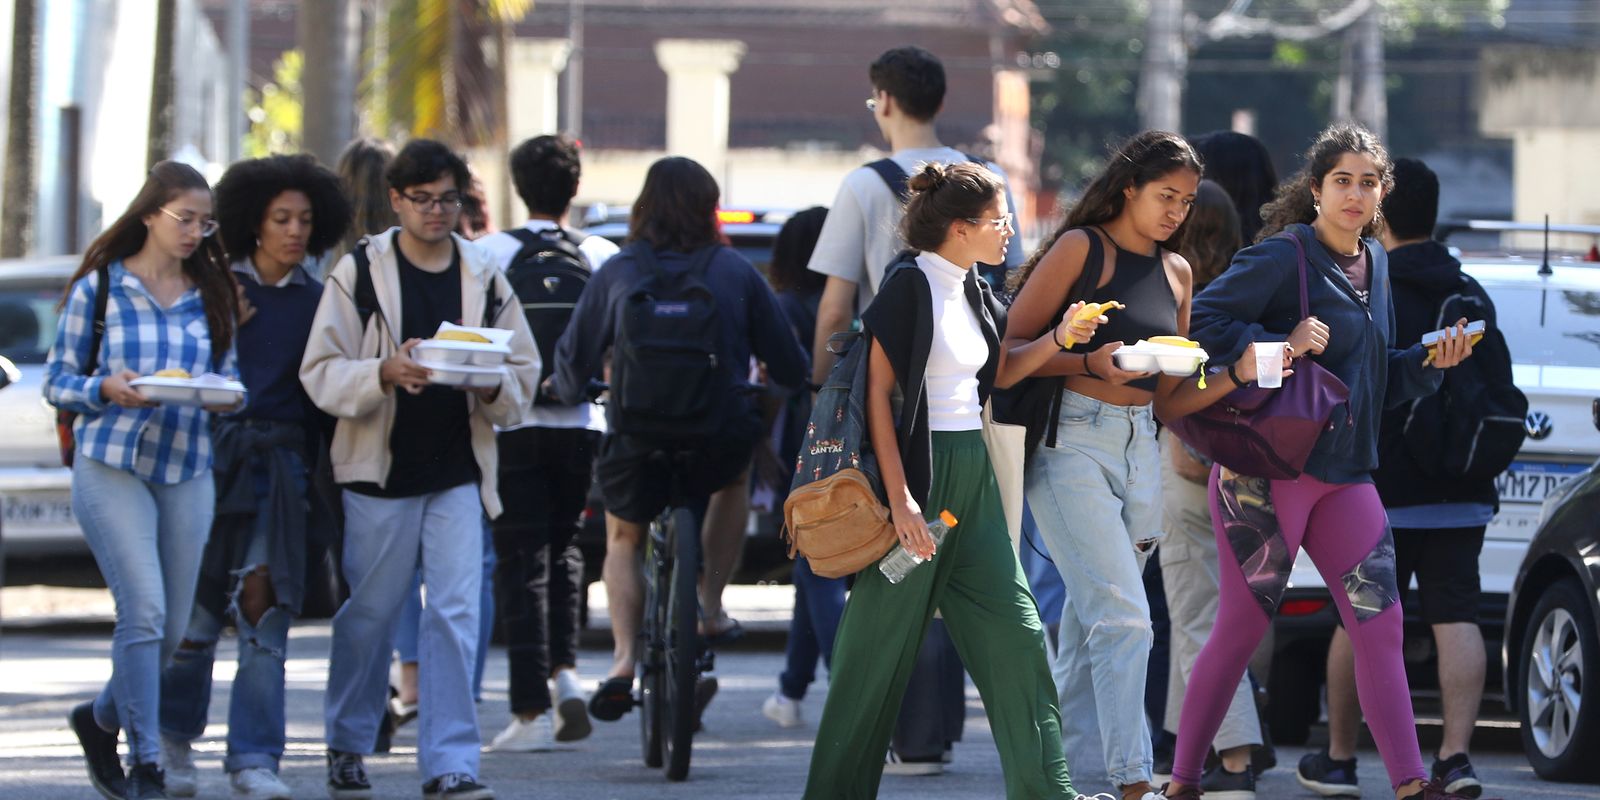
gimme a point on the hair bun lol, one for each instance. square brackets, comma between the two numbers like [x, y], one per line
[931, 175]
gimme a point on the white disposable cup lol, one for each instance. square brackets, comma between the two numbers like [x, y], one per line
[1269, 364]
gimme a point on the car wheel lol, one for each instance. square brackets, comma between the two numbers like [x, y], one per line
[1559, 678]
[1295, 698]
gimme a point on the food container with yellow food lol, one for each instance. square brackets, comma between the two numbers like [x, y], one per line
[176, 387]
[1169, 355]
[465, 376]
[457, 344]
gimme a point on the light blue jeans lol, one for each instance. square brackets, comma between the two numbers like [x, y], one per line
[406, 635]
[1096, 498]
[384, 541]
[147, 539]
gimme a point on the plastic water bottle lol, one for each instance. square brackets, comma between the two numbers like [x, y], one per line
[899, 563]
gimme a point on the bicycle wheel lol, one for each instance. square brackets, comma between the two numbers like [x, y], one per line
[683, 643]
[652, 640]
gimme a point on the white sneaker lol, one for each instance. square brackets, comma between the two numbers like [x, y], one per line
[572, 708]
[177, 761]
[892, 765]
[782, 710]
[258, 783]
[534, 736]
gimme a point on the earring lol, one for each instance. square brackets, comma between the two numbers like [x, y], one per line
[1316, 205]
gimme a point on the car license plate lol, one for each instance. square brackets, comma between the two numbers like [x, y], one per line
[36, 510]
[1531, 481]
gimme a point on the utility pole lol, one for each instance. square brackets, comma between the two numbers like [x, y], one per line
[1370, 105]
[238, 35]
[1161, 81]
[162, 94]
[574, 76]
[16, 218]
[326, 30]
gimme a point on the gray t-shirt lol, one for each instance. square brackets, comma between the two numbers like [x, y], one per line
[862, 232]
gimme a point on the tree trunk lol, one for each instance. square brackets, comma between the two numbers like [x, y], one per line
[1164, 66]
[1370, 102]
[161, 85]
[16, 219]
[325, 31]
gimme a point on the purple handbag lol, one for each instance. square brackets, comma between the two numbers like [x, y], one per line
[1269, 433]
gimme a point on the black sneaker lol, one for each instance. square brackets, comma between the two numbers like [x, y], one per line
[1161, 750]
[1456, 776]
[347, 777]
[456, 786]
[99, 753]
[1220, 784]
[145, 782]
[1327, 777]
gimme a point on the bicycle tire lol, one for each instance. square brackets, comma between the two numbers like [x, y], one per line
[683, 643]
[651, 660]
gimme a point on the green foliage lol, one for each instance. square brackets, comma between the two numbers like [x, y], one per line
[277, 111]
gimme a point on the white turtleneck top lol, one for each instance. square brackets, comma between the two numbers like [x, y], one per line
[958, 352]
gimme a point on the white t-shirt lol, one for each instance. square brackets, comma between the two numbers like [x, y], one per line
[503, 247]
[958, 351]
[861, 235]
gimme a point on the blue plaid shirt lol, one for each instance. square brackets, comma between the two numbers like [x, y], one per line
[166, 444]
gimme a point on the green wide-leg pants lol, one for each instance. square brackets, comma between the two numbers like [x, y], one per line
[977, 584]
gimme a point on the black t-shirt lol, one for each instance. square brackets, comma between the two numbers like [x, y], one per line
[431, 443]
[1355, 267]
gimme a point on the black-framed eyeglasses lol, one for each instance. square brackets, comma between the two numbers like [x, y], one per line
[1000, 223]
[424, 203]
[206, 225]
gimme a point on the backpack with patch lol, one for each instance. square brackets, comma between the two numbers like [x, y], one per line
[1472, 428]
[548, 274]
[668, 381]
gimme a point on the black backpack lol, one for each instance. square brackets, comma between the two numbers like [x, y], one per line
[667, 377]
[548, 274]
[366, 295]
[1472, 428]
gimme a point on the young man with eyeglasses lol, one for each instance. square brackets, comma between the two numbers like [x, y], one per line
[417, 462]
[859, 240]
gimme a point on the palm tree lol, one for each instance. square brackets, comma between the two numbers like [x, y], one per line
[161, 89]
[16, 220]
[440, 80]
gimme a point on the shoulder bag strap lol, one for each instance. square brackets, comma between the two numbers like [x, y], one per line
[1305, 295]
[97, 328]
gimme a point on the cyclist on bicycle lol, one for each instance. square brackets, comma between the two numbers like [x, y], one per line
[676, 272]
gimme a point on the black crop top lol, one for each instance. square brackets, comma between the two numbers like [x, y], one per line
[1139, 282]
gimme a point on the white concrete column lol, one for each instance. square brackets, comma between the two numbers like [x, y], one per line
[534, 96]
[698, 98]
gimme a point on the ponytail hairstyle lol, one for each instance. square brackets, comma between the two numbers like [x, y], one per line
[1294, 203]
[942, 194]
[1145, 158]
[207, 267]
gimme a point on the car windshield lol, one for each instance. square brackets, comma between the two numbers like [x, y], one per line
[27, 323]
[1550, 327]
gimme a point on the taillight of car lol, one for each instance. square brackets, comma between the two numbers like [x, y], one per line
[735, 217]
[1302, 608]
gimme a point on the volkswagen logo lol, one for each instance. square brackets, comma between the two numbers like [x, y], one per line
[1538, 425]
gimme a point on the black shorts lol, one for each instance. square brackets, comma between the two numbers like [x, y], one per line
[1445, 561]
[636, 489]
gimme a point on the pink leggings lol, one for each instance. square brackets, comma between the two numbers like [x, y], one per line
[1344, 529]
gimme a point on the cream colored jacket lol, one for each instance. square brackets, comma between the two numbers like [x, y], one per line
[340, 367]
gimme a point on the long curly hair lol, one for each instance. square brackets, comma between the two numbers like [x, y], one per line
[1140, 160]
[207, 267]
[248, 188]
[1293, 202]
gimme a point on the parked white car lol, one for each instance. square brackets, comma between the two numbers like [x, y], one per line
[1551, 321]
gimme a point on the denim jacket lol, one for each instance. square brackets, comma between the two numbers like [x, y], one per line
[1258, 299]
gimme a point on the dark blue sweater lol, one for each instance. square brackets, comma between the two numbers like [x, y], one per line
[271, 344]
[1258, 299]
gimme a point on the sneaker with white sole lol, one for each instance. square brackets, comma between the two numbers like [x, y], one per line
[572, 708]
[177, 762]
[1322, 774]
[783, 710]
[918, 767]
[1220, 784]
[536, 735]
[347, 777]
[456, 786]
[258, 783]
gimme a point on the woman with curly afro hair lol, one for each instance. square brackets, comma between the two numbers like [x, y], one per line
[277, 214]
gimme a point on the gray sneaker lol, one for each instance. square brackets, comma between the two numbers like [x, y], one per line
[347, 777]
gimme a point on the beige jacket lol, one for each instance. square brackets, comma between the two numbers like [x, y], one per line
[340, 367]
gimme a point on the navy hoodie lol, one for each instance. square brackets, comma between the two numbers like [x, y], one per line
[1258, 299]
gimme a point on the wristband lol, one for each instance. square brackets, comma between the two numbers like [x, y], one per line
[1064, 347]
[1234, 376]
[1087, 370]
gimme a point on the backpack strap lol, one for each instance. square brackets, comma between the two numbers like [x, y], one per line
[97, 327]
[1088, 281]
[896, 178]
[366, 298]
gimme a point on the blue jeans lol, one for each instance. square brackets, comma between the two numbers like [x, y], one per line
[818, 604]
[1096, 498]
[147, 539]
[384, 541]
[256, 716]
[405, 638]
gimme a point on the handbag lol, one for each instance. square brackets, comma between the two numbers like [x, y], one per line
[1007, 445]
[1269, 433]
[65, 438]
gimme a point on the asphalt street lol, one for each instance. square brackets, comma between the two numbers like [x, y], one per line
[739, 755]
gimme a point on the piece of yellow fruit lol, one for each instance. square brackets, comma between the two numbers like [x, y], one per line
[1175, 341]
[462, 336]
[172, 373]
[1092, 310]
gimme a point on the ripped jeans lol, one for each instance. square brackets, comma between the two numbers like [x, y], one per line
[256, 716]
[1096, 498]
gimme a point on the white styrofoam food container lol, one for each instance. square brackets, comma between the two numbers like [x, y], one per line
[480, 354]
[209, 389]
[465, 376]
[1169, 359]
